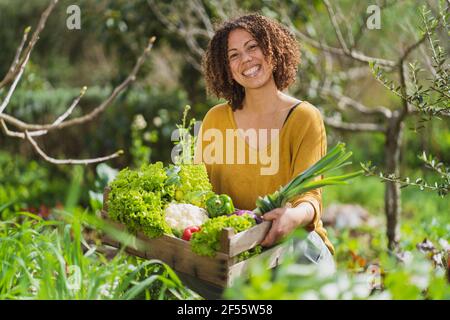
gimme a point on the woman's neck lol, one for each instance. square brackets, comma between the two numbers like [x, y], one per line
[264, 100]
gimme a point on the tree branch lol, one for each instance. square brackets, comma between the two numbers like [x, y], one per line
[187, 33]
[353, 127]
[12, 73]
[91, 115]
[411, 48]
[17, 56]
[9, 133]
[345, 101]
[12, 88]
[199, 8]
[69, 161]
[29, 130]
[336, 27]
[63, 116]
[403, 87]
[440, 92]
[355, 55]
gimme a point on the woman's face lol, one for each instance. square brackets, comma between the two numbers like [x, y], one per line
[249, 67]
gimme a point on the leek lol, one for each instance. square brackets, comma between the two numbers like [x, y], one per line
[336, 158]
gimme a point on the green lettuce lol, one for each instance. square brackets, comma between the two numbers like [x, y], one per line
[206, 242]
[138, 198]
[249, 253]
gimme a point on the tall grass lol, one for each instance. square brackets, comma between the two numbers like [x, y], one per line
[50, 260]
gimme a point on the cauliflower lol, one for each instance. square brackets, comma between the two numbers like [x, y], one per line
[179, 216]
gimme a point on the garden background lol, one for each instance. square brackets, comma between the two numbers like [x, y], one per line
[346, 70]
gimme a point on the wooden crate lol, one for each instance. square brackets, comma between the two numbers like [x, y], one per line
[208, 276]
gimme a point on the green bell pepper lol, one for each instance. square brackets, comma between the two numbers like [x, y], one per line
[219, 205]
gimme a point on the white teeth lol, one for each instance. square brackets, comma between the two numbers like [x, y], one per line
[251, 72]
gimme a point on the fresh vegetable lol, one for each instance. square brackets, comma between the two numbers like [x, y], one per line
[249, 253]
[306, 181]
[198, 198]
[218, 205]
[137, 199]
[187, 233]
[206, 242]
[149, 177]
[179, 216]
[193, 177]
[257, 218]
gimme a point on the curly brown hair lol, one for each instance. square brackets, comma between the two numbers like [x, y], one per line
[276, 42]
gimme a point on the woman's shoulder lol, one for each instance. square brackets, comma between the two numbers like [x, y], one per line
[306, 126]
[217, 113]
[305, 112]
[218, 109]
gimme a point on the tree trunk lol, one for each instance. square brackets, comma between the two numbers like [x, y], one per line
[392, 197]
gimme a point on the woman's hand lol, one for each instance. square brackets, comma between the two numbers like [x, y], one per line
[285, 220]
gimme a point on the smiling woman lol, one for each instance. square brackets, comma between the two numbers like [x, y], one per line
[249, 62]
[249, 41]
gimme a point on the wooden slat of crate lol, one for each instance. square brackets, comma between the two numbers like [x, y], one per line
[178, 255]
[218, 271]
[248, 239]
[274, 256]
[206, 289]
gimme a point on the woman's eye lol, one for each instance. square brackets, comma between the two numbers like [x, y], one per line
[233, 56]
[253, 46]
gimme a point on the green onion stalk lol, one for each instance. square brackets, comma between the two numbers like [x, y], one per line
[336, 158]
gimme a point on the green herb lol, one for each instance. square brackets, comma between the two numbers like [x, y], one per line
[186, 143]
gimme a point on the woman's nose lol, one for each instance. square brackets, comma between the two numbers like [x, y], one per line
[246, 57]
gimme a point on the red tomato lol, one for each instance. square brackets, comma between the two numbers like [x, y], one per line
[187, 234]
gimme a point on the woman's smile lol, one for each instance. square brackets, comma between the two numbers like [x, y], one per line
[252, 72]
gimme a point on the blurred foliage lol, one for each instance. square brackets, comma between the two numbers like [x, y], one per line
[114, 32]
[365, 270]
[416, 203]
[103, 52]
[25, 183]
[415, 278]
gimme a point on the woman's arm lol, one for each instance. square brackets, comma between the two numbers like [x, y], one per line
[285, 220]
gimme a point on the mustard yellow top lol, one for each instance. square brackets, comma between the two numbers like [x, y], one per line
[299, 144]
